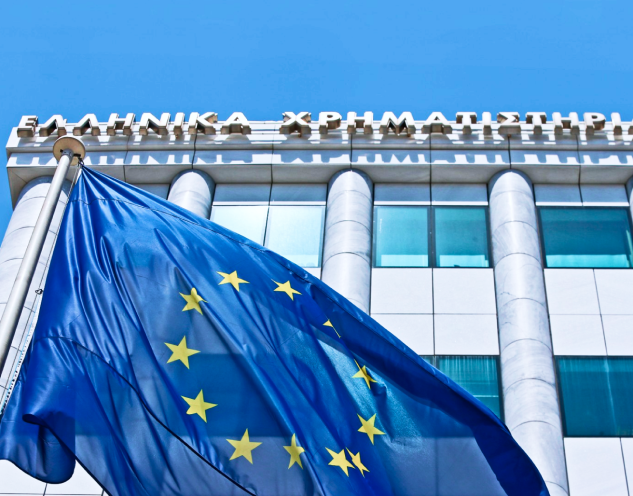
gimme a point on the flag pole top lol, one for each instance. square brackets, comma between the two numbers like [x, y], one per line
[69, 143]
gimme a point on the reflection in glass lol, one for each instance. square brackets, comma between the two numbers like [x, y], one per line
[596, 395]
[461, 237]
[586, 237]
[296, 232]
[401, 237]
[247, 220]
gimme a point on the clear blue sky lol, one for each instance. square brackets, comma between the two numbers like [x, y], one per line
[266, 57]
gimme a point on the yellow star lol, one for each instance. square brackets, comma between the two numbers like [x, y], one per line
[340, 460]
[295, 452]
[181, 352]
[329, 324]
[363, 374]
[193, 301]
[357, 462]
[198, 405]
[243, 447]
[369, 429]
[232, 279]
[286, 288]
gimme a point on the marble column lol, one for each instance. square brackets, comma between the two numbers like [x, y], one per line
[347, 242]
[531, 406]
[193, 190]
[12, 250]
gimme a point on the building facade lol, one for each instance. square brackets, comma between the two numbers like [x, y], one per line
[499, 251]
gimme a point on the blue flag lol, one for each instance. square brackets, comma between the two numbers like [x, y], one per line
[175, 357]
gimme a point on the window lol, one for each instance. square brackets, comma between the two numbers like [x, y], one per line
[595, 395]
[293, 231]
[401, 237]
[476, 374]
[296, 232]
[247, 220]
[408, 236]
[586, 237]
[461, 237]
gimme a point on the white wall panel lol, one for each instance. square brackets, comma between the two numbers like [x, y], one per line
[416, 331]
[464, 291]
[466, 335]
[571, 292]
[14, 481]
[615, 291]
[80, 483]
[316, 272]
[627, 454]
[401, 291]
[577, 335]
[618, 333]
[595, 467]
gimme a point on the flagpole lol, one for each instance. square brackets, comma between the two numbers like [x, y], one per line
[68, 151]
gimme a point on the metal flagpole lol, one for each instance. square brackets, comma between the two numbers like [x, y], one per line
[68, 151]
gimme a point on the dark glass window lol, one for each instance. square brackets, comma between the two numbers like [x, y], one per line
[476, 374]
[461, 237]
[416, 236]
[401, 237]
[596, 395]
[586, 237]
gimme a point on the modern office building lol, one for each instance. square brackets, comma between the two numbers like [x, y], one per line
[501, 251]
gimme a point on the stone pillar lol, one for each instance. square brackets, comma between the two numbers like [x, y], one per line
[347, 243]
[193, 190]
[13, 247]
[531, 406]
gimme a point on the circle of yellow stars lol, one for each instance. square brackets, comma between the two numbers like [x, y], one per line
[244, 447]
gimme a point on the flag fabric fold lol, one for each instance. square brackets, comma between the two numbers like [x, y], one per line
[174, 357]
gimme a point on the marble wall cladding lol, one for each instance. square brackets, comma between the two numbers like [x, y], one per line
[437, 311]
[591, 311]
[596, 466]
[15, 482]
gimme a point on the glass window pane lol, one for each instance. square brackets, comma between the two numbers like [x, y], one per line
[621, 384]
[477, 375]
[401, 237]
[461, 237]
[296, 232]
[429, 359]
[586, 237]
[585, 396]
[247, 220]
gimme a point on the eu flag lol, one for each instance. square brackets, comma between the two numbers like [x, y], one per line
[175, 357]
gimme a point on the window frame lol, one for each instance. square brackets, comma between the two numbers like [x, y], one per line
[432, 251]
[541, 236]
